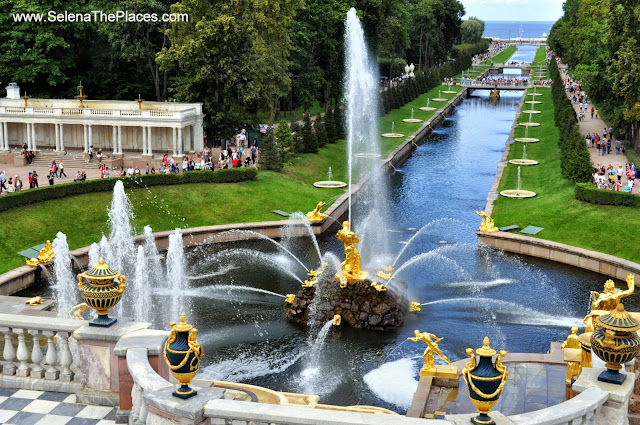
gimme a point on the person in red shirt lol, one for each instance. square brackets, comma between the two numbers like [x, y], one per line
[236, 162]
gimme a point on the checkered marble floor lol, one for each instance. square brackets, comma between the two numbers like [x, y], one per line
[27, 407]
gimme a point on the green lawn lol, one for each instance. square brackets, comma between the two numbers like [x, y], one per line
[504, 55]
[596, 227]
[83, 218]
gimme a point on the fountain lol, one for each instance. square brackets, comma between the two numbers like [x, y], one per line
[329, 183]
[523, 160]
[428, 108]
[412, 119]
[393, 132]
[440, 98]
[448, 90]
[518, 193]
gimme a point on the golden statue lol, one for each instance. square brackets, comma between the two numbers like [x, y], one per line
[471, 364]
[312, 278]
[499, 366]
[337, 320]
[610, 298]
[290, 298]
[46, 254]
[77, 311]
[378, 286]
[414, 307]
[316, 215]
[432, 348]
[487, 225]
[351, 269]
[34, 301]
[32, 262]
[601, 303]
[383, 275]
[572, 350]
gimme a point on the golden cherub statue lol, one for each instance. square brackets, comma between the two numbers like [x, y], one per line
[487, 225]
[46, 254]
[34, 301]
[77, 311]
[414, 307]
[572, 350]
[316, 215]
[351, 269]
[337, 320]
[432, 348]
[610, 298]
[378, 286]
[290, 298]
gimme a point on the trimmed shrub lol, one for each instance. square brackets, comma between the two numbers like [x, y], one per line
[588, 193]
[309, 140]
[269, 156]
[57, 191]
[321, 134]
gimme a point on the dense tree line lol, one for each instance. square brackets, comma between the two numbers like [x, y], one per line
[599, 40]
[245, 60]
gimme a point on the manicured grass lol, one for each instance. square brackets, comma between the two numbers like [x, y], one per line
[541, 56]
[83, 218]
[504, 55]
[596, 227]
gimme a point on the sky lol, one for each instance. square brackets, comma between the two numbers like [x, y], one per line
[514, 10]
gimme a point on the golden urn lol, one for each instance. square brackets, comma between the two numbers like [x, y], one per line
[100, 290]
[182, 353]
[484, 380]
[616, 342]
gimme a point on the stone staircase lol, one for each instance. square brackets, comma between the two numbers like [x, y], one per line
[71, 161]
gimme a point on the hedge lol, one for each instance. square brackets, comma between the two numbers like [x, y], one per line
[57, 191]
[588, 193]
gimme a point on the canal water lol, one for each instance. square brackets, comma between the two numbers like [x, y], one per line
[520, 303]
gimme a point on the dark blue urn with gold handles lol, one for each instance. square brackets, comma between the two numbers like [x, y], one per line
[101, 288]
[182, 353]
[484, 380]
[615, 342]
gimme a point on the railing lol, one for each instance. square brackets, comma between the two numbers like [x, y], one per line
[80, 112]
[145, 380]
[14, 110]
[579, 410]
[51, 355]
[71, 111]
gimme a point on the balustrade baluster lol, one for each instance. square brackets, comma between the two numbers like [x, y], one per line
[51, 359]
[22, 355]
[136, 402]
[65, 357]
[9, 353]
[36, 355]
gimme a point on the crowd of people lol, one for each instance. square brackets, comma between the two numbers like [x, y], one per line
[612, 179]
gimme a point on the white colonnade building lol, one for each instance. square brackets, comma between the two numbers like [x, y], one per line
[136, 127]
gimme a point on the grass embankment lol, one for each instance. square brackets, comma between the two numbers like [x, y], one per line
[540, 59]
[607, 229]
[504, 55]
[83, 218]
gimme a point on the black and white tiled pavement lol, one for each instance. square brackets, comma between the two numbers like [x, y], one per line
[27, 407]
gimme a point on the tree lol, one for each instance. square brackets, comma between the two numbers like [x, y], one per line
[309, 140]
[284, 140]
[471, 30]
[269, 156]
[321, 133]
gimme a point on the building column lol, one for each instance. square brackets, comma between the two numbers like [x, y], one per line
[114, 139]
[120, 140]
[33, 137]
[180, 142]
[5, 130]
[198, 135]
[175, 141]
[85, 138]
[62, 137]
[28, 136]
[3, 146]
[56, 137]
[144, 140]
[149, 143]
[90, 142]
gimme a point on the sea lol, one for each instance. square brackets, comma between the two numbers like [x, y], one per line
[514, 29]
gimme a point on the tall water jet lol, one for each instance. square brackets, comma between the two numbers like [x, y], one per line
[154, 260]
[361, 118]
[120, 215]
[176, 276]
[94, 255]
[64, 289]
[140, 290]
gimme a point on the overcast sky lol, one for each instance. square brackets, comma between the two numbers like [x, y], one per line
[514, 10]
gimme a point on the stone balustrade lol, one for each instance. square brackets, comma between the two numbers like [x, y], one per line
[581, 409]
[95, 112]
[145, 380]
[39, 353]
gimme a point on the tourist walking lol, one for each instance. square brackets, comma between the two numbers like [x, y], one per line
[10, 187]
[2, 182]
[17, 183]
[90, 153]
[35, 178]
[50, 176]
[54, 168]
[30, 179]
[61, 170]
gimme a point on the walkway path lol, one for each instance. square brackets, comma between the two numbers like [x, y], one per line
[596, 125]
